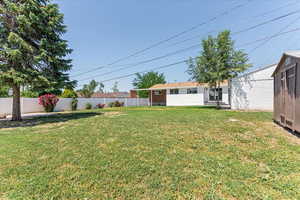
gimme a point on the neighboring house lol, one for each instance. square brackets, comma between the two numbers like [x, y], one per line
[187, 94]
[111, 95]
[287, 91]
[253, 90]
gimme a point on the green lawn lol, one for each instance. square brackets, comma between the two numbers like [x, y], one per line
[149, 153]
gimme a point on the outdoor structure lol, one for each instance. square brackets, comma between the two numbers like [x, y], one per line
[253, 90]
[287, 91]
[187, 94]
[31, 105]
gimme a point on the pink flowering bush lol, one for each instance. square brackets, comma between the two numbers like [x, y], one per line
[48, 101]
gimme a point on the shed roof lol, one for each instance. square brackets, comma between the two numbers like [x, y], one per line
[295, 54]
[182, 85]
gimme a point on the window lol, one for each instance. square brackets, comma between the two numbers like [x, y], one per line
[157, 92]
[215, 94]
[192, 91]
[290, 80]
[174, 91]
[288, 61]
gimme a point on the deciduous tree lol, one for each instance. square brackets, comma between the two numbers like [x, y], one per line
[147, 80]
[219, 61]
[88, 89]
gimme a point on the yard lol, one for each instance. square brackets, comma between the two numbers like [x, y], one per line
[149, 153]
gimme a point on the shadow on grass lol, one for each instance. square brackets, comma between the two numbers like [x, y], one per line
[295, 133]
[55, 118]
[209, 107]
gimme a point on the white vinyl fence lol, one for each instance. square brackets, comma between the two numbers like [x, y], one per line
[31, 105]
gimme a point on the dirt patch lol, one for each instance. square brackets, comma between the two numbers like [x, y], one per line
[114, 114]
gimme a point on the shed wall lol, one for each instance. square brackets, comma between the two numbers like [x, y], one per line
[287, 93]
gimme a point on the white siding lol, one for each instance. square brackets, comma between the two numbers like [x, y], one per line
[253, 91]
[225, 98]
[184, 99]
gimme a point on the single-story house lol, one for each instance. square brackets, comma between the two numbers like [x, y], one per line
[253, 90]
[188, 94]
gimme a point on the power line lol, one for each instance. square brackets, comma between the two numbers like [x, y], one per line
[266, 22]
[145, 61]
[214, 31]
[170, 38]
[270, 37]
[281, 30]
[183, 61]
[156, 68]
[276, 9]
[191, 47]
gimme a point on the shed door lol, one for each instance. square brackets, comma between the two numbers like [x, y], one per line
[289, 96]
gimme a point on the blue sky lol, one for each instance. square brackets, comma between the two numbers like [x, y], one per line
[101, 32]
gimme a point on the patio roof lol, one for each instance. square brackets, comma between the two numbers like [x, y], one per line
[182, 85]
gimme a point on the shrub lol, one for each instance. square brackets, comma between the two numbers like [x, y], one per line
[88, 106]
[48, 101]
[116, 104]
[29, 94]
[74, 104]
[100, 106]
[69, 94]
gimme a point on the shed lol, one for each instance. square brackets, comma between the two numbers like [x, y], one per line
[287, 91]
[253, 90]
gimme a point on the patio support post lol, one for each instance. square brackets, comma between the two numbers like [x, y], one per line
[151, 99]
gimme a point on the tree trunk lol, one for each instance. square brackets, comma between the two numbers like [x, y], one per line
[218, 95]
[16, 112]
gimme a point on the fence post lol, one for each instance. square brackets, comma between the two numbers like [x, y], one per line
[22, 105]
[126, 104]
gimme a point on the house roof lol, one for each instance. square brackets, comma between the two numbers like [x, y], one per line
[257, 70]
[182, 85]
[295, 54]
[111, 95]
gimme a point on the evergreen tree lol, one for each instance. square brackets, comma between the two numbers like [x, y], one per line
[219, 61]
[32, 51]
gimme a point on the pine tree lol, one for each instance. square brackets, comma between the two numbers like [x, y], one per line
[32, 51]
[219, 61]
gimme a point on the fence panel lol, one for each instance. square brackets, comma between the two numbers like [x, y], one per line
[31, 105]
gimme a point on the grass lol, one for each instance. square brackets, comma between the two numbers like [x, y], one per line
[149, 153]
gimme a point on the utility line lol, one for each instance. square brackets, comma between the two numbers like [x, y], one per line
[184, 61]
[146, 61]
[281, 31]
[214, 31]
[170, 38]
[192, 47]
[266, 22]
[156, 68]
